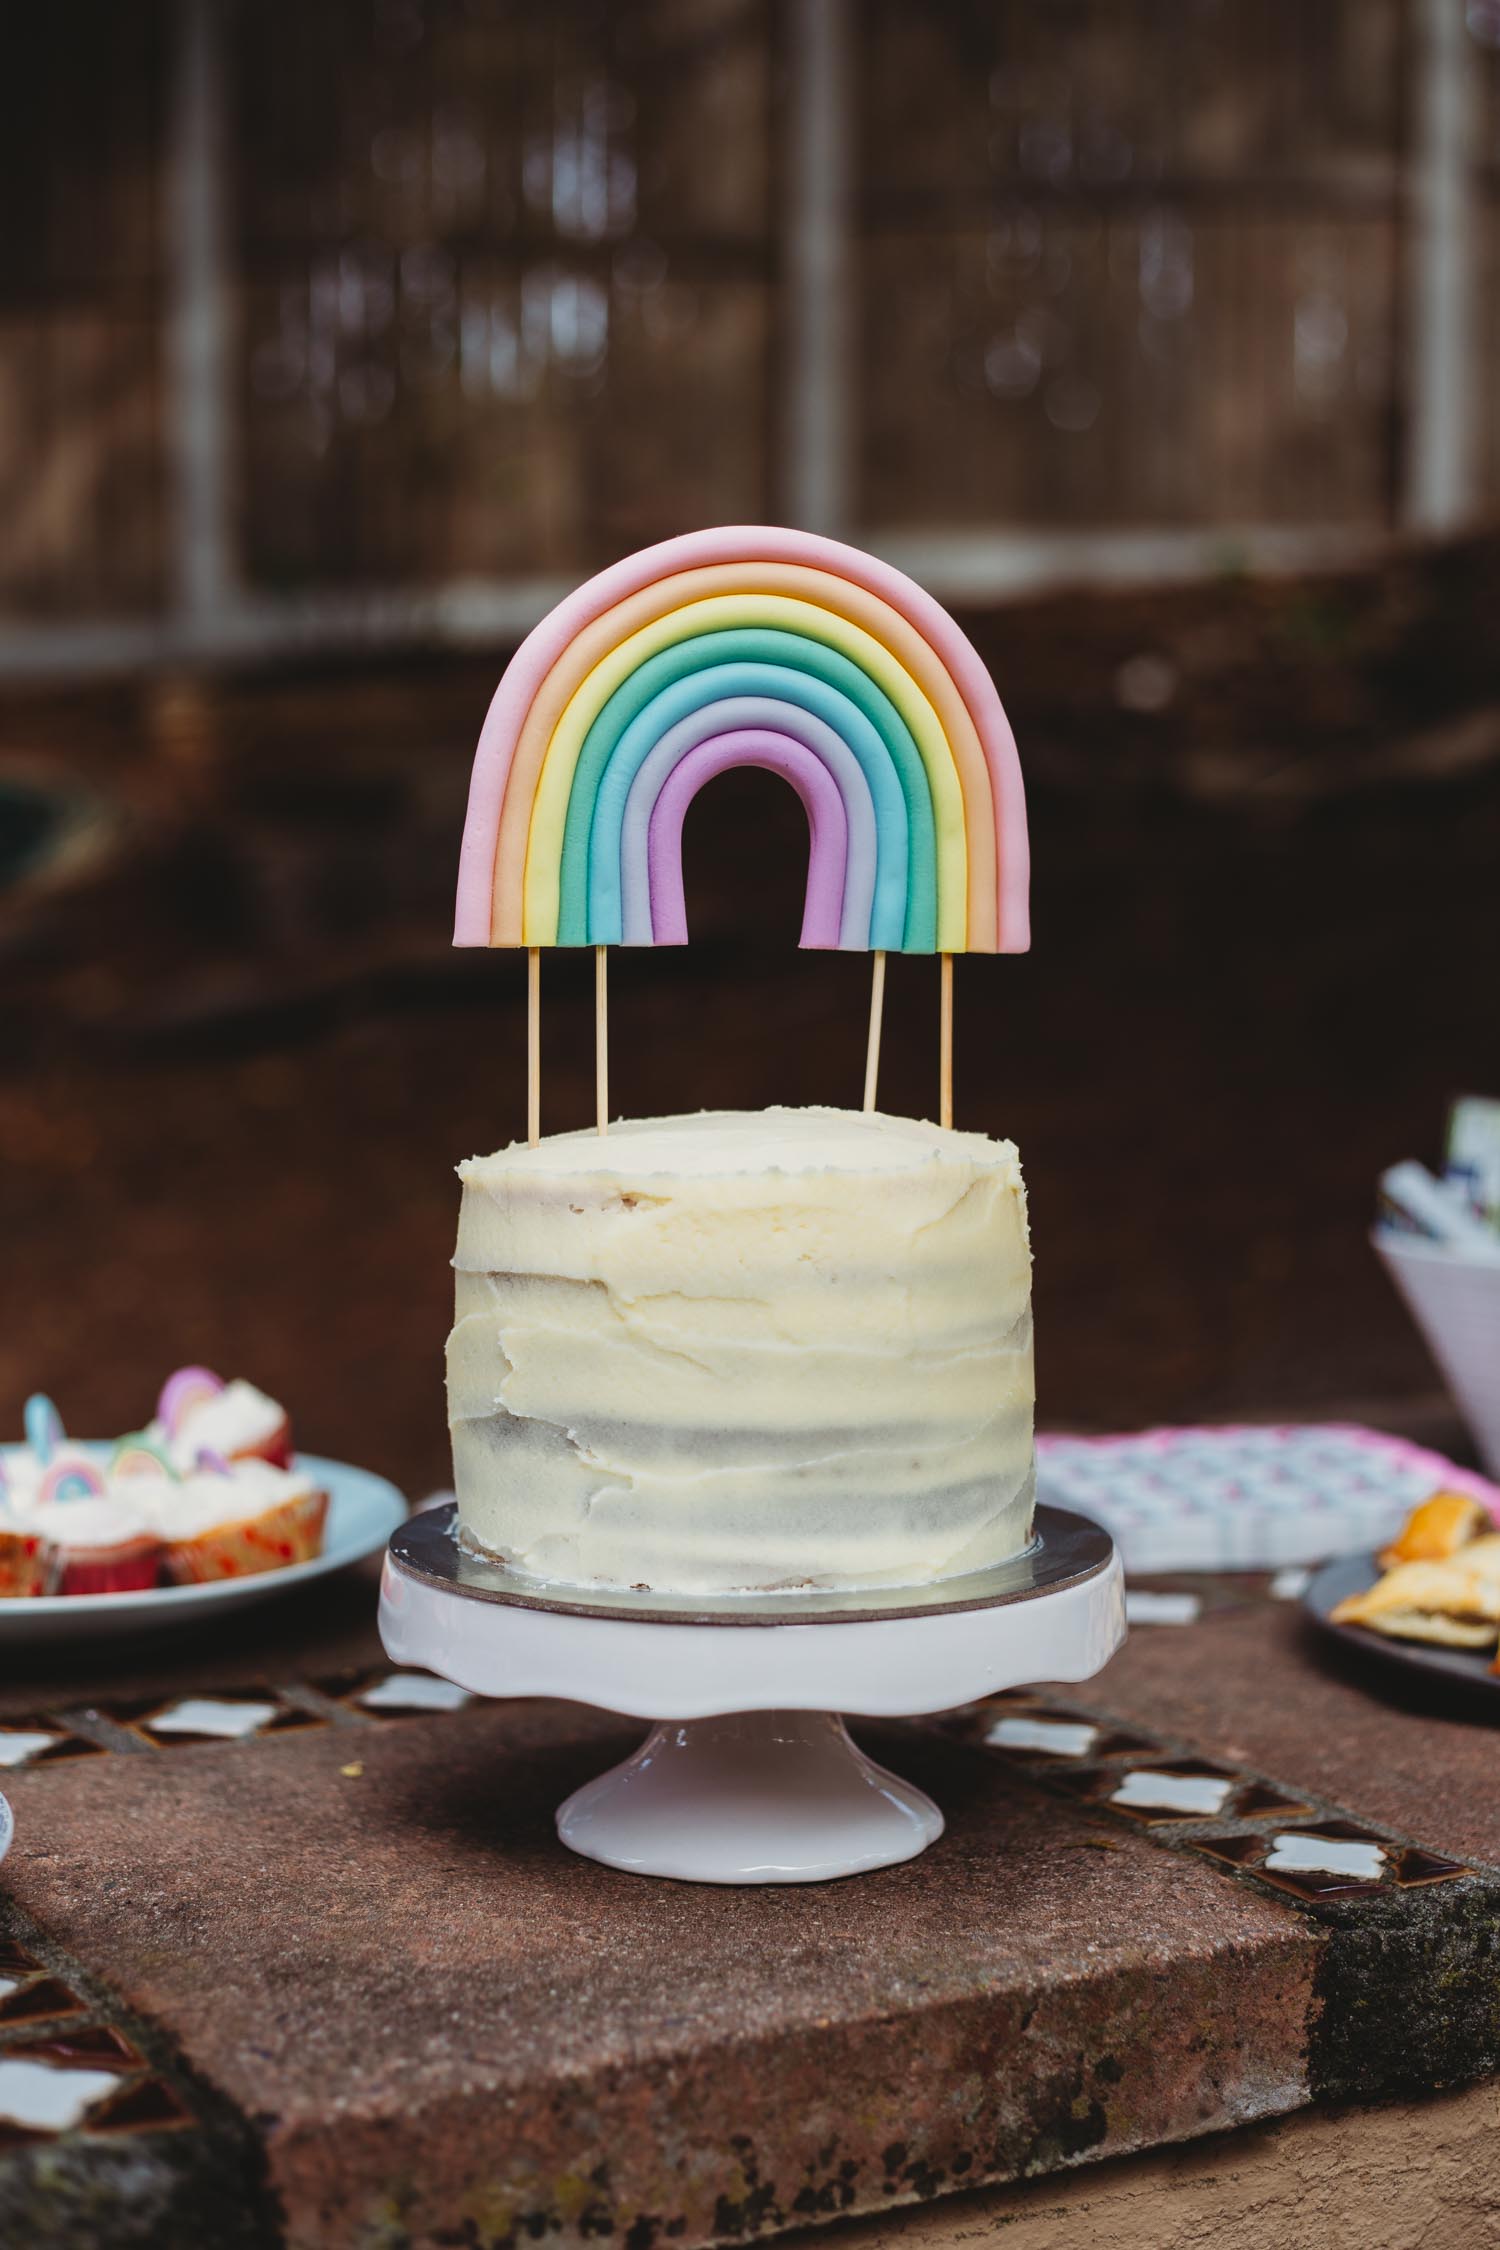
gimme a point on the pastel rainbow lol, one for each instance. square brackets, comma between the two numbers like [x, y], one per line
[682, 682]
[837, 912]
[639, 687]
[752, 722]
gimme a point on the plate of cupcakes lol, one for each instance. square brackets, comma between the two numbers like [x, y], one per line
[208, 1506]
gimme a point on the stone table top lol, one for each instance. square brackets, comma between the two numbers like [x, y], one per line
[337, 1984]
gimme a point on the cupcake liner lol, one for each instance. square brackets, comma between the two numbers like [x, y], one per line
[132, 1567]
[291, 1531]
[276, 1447]
[23, 1565]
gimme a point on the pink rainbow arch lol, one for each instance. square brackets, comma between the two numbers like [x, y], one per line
[827, 823]
[550, 642]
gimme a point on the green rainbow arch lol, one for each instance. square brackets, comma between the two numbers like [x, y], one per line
[691, 677]
[747, 645]
[802, 620]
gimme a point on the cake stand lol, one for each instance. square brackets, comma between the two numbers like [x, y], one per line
[749, 1775]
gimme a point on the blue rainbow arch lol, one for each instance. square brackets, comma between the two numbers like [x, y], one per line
[685, 687]
[747, 645]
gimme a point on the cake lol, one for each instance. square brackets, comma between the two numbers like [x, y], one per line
[744, 1350]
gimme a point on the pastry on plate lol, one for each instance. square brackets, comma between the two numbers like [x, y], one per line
[1441, 1578]
[1444, 1602]
[1436, 1528]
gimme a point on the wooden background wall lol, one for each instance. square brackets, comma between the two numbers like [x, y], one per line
[506, 285]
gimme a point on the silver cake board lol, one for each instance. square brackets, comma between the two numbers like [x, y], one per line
[749, 1774]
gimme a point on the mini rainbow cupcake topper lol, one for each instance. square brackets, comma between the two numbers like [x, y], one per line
[208, 1463]
[747, 646]
[72, 1476]
[44, 1426]
[137, 1455]
[181, 1392]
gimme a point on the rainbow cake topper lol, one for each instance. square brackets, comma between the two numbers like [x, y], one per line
[747, 646]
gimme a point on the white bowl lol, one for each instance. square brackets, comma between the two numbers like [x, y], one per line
[1454, 1298]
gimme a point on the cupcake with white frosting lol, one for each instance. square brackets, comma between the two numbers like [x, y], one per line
[23, 1557]
[72, 1530]
[99, 1544]
[198, 1413]
[235, 1520]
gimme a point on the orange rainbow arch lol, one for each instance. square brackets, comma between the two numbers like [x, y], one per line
[747, 645]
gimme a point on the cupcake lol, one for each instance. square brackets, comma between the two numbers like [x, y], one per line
[245, 1517]
[99, 1544]
[198, 1412]
[68, 1527]
[23, 1564]
[23, 1559]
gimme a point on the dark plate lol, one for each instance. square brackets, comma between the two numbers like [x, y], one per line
[1065, 1550]
[1465, 1667]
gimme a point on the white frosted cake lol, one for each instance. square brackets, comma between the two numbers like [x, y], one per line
[745, 1350]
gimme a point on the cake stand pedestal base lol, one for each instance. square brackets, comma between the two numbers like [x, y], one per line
[749, 1775]
[751, 1797]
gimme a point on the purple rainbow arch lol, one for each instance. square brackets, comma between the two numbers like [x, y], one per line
[812, 622]
[750, 723]
[823, 917]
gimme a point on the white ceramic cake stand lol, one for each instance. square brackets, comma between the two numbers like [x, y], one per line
[749, 1775]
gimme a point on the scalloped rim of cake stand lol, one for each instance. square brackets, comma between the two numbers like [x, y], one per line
[749, 1775]
[1055, 1613]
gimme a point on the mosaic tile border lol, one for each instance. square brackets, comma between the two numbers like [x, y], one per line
[1407, 1994]
[1287, 1839]
[106, 2132]
[371, 1696]
[1118, 1768]
[65, 2071]
[1115, 1767]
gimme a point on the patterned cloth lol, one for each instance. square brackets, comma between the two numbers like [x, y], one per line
[1247, 1498]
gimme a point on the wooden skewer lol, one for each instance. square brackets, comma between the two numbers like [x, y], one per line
[533, 1045]
[877, 1010]
[601, 1039]
[945, 1046]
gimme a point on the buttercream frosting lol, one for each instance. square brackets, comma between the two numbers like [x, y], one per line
[234, 1418]
[207, 1501]
[110, 1520]
[745, 1349]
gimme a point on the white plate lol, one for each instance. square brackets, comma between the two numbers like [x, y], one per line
[363, 1511]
